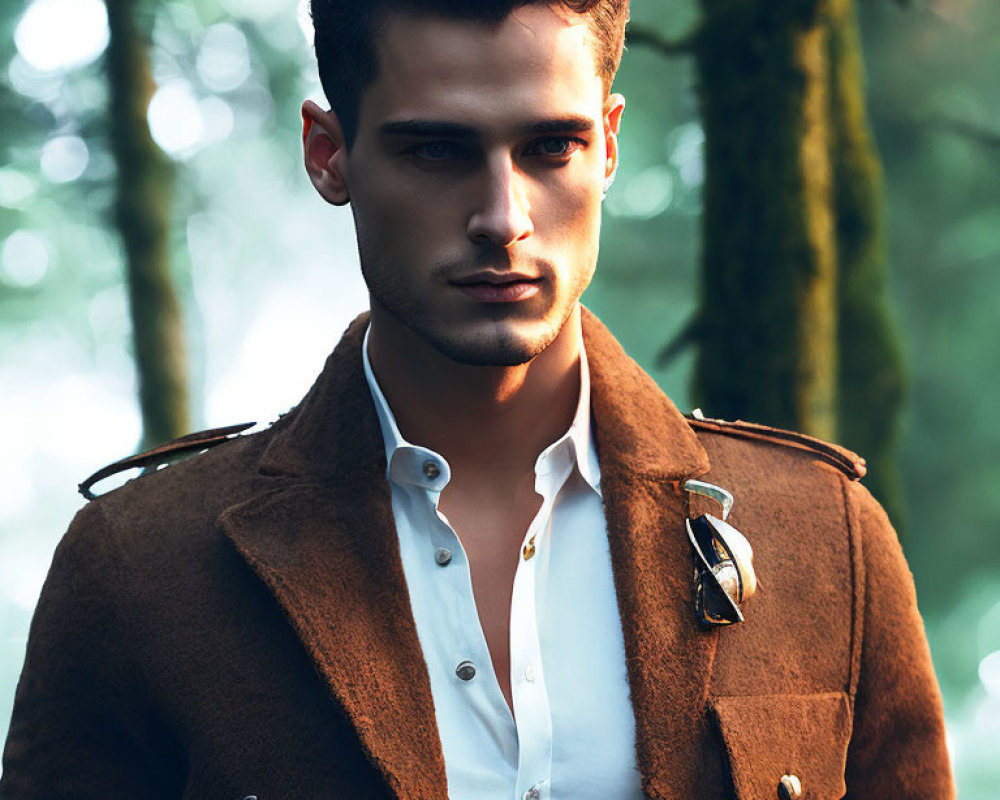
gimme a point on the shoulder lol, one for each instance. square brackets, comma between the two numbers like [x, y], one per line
[796, 487]
[155, 458]
[155, 542]
[749, 437]
[175, 489]
[799, 502]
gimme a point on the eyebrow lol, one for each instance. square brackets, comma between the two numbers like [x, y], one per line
[454, 130]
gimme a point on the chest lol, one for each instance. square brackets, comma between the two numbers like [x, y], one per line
[388, 629]
[512, 650]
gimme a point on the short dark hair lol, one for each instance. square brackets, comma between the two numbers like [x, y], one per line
[345, 39]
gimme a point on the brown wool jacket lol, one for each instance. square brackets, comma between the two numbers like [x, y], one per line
[239, 624]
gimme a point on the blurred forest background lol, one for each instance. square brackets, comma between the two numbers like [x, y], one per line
[750, 214]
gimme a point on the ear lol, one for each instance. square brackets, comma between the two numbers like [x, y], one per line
[614, 105]
[325, 152]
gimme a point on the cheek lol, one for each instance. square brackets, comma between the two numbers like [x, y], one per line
[394, 215]
[576, 190]
[572, 215]
[387, 221]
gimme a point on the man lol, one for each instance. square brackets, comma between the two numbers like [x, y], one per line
[461, 567]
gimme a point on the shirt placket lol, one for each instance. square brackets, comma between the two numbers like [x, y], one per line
[470, 658]
[528, 686]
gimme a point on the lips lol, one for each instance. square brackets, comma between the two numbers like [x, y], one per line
[498, 287]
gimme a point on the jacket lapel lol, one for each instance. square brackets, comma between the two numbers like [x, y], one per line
[647, 450]
[324, 542]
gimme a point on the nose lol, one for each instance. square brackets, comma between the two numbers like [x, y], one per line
[503, 213]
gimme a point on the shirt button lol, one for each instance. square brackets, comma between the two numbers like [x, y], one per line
[529, 549]
[431, 470]
[443, 556]
[532, 793]
[529, 674]
[466, 670]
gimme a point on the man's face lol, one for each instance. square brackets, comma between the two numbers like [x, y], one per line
[476, 179]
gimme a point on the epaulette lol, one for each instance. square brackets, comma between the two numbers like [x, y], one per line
[164, 453]
[847, 461]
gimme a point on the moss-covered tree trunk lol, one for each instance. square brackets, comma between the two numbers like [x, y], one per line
[793, 324]
[870, 378]
[768, 299]
[142, 212]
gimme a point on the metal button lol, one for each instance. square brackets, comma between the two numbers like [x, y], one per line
[789, 787]
[443, 556]
[529, 549]
[532, 793]
[431, 470]
[466, 670]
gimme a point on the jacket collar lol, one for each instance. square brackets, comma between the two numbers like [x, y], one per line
[639, 430]
[324, 541]
[335, 428]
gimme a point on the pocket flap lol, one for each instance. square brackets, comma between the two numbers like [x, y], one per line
[769, 736]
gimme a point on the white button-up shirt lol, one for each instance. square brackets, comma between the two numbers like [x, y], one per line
[574, 735]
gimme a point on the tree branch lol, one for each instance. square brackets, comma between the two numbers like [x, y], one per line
[968, 130]
[647, 37]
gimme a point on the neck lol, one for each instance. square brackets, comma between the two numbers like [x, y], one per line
[486, 421]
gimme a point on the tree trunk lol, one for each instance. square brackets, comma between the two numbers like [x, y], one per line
[793, 323]
[767, 317]
[870, 380]
[142, 211]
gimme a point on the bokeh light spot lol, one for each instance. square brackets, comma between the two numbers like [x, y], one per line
[34, 83]
[989, 673]
[224, 58]
[649, 193]
[24, 259]
[62, 34]
[987, 716]
[175, 118]
[16, 188]
[686, 147]
[217, 116]
[64, 158]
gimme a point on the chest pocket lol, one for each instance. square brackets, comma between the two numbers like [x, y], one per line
[785, 746]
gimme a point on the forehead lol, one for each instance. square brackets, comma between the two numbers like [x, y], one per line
[538, 60]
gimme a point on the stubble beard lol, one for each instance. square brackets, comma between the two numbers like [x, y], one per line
[495, 342]
[499, 347]
[503, 336]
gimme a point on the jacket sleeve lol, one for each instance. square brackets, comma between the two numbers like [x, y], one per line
[81, 728]
[897, 747]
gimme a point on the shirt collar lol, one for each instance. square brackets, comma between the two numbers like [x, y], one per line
[420, 466]
[578, 442]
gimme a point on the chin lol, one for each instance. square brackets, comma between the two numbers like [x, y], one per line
[493, 343]
[495, 349]
[506, 336]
